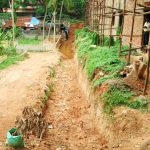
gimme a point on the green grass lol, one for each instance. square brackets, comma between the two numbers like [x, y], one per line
[104, 58]
[26, 41]
[52, 72]
[121, 96]
[11, 60]
[107, 64]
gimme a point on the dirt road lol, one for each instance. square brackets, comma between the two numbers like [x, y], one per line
[21, 85]
[72, 126]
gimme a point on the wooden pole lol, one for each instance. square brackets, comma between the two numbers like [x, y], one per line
[101, 23]
[44, 22]
[132, 29]
[61, 11]
[50, 27]
[104, 11]
[13, 21]
[111, 25]
[86, 13]
[99, 20]
[122, 26]
[147, 77]
[54, 14]
[92, 15]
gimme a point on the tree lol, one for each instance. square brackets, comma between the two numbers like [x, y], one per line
[68, 4]
[13, 20]
[4, 4]
[46, 5]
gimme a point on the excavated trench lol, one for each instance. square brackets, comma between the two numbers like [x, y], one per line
[126, 130]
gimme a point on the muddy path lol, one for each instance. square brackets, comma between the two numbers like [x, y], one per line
[22, 85]
[68, 111]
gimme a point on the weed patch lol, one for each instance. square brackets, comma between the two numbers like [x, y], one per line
[104, 58]
[104, 63]
[48, 92]
[28, 41]
[52, 72]
[121, 96]
[12, 60]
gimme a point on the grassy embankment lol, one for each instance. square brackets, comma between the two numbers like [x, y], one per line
[103, 64]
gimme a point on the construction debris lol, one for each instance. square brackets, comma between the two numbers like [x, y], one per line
[32, 122]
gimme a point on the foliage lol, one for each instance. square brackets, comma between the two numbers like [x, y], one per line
[121, 95]
[25, 41]
[4, 17]
[52, 72]
[11, 60]
[4, 4]
[115, 96]
[118, 30]
[79, 9]
[48, 92]
[139, 102]
[104, 58]
[107, 65]
[6, 46]
[18, 32]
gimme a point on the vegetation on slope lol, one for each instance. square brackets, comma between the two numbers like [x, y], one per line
[104, 64]
[7, 49]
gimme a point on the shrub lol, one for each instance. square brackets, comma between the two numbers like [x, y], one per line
[116, 96]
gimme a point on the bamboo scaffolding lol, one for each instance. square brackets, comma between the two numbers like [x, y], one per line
[120, 37]
[132, 28]
[104, 12]
[111, 25]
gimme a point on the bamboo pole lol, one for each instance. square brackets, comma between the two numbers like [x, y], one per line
[111, 25]
[13, 21]
[120, 46]
[61, 11]
[132, 29]
[103, 22]
[99, 21]
[50, 27]
[54, 14]
[44, 22]
[133, 49]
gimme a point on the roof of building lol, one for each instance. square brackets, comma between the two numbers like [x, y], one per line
[20, 21]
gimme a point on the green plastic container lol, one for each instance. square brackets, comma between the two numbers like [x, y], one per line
[14, 141]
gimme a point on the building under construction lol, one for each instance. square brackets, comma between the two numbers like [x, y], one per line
[119, 18]
[123, 20]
